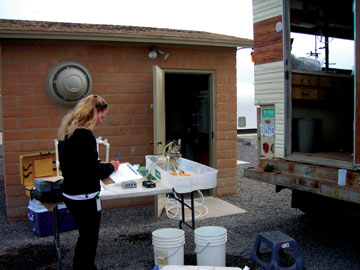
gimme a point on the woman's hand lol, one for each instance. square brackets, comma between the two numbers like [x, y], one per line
[115, 164]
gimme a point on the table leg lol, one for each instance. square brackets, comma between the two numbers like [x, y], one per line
[191, 207]
[159, 204]
[57, 237]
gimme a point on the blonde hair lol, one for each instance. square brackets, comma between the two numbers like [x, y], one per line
[84, 115]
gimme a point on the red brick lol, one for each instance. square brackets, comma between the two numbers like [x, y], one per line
[54, 122]
[11, 146]
[221, 135]
[31, 78]
[39, 89]
[132, 88]
[19, 112]
[142, 78]
[140, 57]
[226, 60]
[223, 145]
[14, 191]
[226, 89]
[226, 163]
[118, 120]
[98, 77]
[226, 191]
[95, 56]
[14, 214]
[221, 173]
[9, 78]
[107, 88]
[140, 140]
[221, 154]
[221, 79]
[16, 67]
[120, 99]
[17, 134]
[231, 79]
[231, 117]
[11, 168]
[131, 67]
[132, 109]
[220, 98]
[31, 55]
[143, 119]
[18, 201]
[232, 172]
[10, 123]
[45, 133]
[118, 78]
[35, 146]
[24, 101]
[222, 70]
[106, 131]
[62, 55]
[143, 99]
[41, 67]
[13, 180]
[121, 141]
[132, 130]
[9, 101]
[118, 203]
[118, 57]
[105, 68]
[46, 111]
[17, 89]
[126, 151]
[228, 181]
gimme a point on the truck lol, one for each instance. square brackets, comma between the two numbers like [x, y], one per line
[308, 106]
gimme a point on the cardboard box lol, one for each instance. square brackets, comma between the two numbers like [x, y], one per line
[41, 220]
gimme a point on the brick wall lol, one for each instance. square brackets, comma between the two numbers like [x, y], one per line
[123, 76]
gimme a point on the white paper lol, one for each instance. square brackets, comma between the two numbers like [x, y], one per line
[125, 172]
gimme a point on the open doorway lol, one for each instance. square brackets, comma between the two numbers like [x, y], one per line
[187, 114]
[322, 82]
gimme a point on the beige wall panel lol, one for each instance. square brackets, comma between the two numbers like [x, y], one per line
[279, 130]
[269, 83]
[265, 9]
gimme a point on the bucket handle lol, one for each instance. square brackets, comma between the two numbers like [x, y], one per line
[161, 258]
[202, 248]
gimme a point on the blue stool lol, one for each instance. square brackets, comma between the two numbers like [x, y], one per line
[277, 241]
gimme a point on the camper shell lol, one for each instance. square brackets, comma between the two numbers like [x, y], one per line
[308, 114]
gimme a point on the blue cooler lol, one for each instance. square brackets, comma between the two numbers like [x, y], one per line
[41, 220]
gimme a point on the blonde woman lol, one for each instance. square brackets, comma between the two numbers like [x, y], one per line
[82, 172]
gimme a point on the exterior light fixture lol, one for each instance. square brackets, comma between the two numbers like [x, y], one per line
[154, 52]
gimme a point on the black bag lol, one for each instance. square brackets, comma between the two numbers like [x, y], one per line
[53, 196]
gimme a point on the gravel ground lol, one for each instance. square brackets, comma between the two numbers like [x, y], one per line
[125, 235]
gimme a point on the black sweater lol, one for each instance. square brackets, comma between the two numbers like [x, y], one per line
[79, 163]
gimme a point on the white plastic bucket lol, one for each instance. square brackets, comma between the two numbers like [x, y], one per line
[211, 246]
[168, 246]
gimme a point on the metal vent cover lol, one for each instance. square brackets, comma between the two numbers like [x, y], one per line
[68, 82]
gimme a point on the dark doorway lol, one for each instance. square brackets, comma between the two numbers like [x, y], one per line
[187, 101]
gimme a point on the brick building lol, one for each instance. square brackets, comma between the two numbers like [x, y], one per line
[198, 77]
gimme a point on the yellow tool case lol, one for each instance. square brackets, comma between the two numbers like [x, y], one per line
[36, 165]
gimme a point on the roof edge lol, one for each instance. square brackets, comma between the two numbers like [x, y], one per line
[138, 38]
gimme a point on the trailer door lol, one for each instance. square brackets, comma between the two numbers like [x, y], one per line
[357, 83]
[159, 109]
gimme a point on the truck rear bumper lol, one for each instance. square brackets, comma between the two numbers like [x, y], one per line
[310, 178]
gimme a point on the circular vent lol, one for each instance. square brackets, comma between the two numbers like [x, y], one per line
[68, 82]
